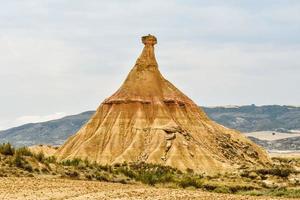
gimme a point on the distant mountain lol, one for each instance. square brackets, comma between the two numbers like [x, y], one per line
[244, 118]
[287, 144]
[53, 132]
[257, 118]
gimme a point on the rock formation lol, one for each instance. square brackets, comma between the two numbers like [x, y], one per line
[149, 120]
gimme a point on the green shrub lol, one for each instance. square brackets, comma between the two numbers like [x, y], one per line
[75, 162]
[36, 170]
[222, 189]
[102, 177]
[150, 174]
[106, 168]
[234, 188]
[283, 192]
[281, 172]
[40, 157]
[72, 174]
[188, 181]
[127, 172]
[28, 167]
[50, 159]
[280, 192]
[189, 171]
[87, 163]
[45, 170]
[167, 178]
[88, 176]
[82, 166]
[117, 165]
[23, 151]
[249, 174]
[66, 162]
[18, 161]
[148, 178]
[228, 187]
[7, 149]
[210, 186]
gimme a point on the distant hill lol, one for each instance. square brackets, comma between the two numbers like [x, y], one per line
[244, 118]
[287, 144]
[257, 118]
[53, 132]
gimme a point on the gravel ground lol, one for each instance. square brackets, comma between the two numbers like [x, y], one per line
[49, 188]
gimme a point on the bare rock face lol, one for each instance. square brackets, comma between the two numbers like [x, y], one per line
[149, 120]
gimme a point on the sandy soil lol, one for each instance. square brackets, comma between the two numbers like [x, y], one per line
[268, 135]
[285, 155]
[49, 188]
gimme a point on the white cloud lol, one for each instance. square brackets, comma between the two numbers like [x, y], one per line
[57, 55]
[36, 56]
[31, 119]
[37, 118]
[233, 74]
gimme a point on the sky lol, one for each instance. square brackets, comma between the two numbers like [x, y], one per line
[62, 57]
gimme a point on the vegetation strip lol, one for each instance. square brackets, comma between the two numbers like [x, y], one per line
[22, 162]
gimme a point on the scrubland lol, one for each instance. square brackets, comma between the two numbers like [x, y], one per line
[27, 175]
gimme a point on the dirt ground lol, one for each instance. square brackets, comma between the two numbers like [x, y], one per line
[285, 155]
[51, 188]
[272, 135]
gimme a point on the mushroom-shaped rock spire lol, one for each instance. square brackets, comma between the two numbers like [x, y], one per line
[147, 58]
[149, 40]
[149, 120]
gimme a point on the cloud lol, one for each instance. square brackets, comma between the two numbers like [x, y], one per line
[61, 56]
[233, 74]
[31, 119]
[37, 118]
